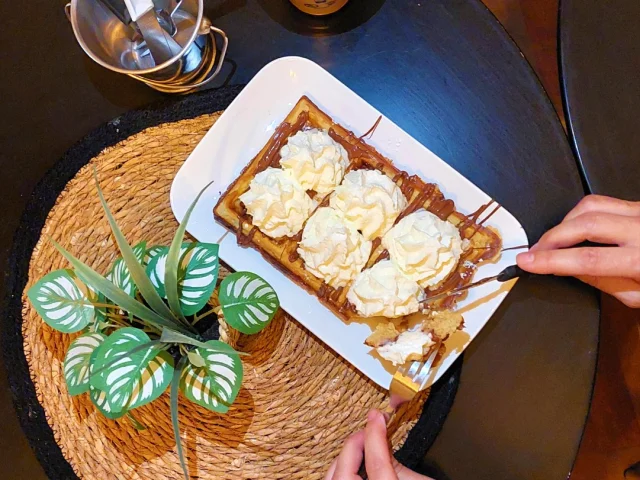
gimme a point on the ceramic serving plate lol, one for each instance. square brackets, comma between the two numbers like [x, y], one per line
[246, 126]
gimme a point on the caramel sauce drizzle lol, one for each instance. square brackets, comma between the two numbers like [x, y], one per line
[327, 292]
[369, 133]
[365, 156]
[497, 207]
[463, 273]
[271, 157]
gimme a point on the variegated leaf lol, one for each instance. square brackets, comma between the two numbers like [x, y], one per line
[99, 399]
[154, 380]
[197, 274]
[216, 384]
[76, 362]
[60, 302]
[152, 252]
[248, 302]
[195, 384]
[120, 362]
[120, 274]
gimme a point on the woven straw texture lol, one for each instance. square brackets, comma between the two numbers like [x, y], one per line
[299, 400]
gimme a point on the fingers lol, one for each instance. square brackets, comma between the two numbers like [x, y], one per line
[332, 470]
[405, 474]
[624, 289]
[595, 227]
[600, 203]
[348, 462]
[377, 455]
[590, 261]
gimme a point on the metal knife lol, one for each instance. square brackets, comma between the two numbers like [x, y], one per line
[509, 273]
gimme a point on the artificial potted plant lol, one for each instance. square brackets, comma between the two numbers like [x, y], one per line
[143, 326]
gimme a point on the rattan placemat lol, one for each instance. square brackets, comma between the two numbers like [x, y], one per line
[299, 400]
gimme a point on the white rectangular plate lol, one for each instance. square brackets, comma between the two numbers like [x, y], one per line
[246, 126]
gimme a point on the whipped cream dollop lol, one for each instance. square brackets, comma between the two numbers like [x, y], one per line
[383, 290]
[423, 247]
[369, 201]
[315, 160]
[331, 249]
[278, 204]
[411, 343]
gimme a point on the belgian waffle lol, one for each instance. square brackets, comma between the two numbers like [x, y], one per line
[484, 244]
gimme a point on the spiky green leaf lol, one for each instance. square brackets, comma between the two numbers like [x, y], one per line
[175, 383]
[137, 272]
[169, 336]
[96, 297]
[173, 261]
[248, 302]
[120, 274]
[60, 302]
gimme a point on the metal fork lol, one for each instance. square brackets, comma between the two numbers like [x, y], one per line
[407, 382]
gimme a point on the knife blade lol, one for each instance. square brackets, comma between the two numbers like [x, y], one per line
[509, 273]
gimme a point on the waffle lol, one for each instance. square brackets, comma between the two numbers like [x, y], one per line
[483, 244]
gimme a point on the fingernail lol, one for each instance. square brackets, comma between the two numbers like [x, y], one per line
[375, 416]
[525, 258]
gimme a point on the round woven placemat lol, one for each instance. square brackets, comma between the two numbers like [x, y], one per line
[299, 400]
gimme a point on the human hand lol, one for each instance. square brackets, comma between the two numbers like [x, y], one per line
[370, 443]
[615, 268]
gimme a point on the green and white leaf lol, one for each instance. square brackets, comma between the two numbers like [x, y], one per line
[171, 278]
[155, 269]
[197, 274]
[215, 385]
[248, 302]
[154, 380]
[99, 399]
[199, 278]
[195, 384]
[60, 302]
[120, 363]
[116, 295]
[120, 274]
[76, 362]
[152, 252]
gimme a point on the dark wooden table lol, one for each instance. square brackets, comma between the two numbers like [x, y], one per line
[600, 70]
[600, 78]
[446, 72]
